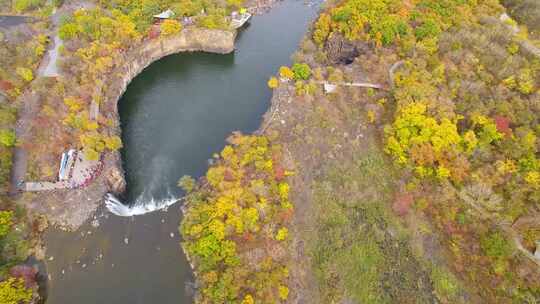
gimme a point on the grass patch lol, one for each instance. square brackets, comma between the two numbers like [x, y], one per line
[354, 254]
[445, 284]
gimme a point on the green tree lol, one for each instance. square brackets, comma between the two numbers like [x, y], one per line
[6, 221]
[7, 137]
[68, 31]
[24, 5]
[301, 71]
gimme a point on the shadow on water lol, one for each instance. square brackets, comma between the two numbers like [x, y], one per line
[174, 116]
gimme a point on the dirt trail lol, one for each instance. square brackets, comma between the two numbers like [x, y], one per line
[27, 111]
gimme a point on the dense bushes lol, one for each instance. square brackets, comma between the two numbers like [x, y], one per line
[7, 138]
[463, 124]
[6, 221]
[7, 141]
[477, 82]
[24, 5]
[170, 27]
[14, 249]
[20, 54]
[385, 22]
[235, 225]
[141, 12]
[13, 291]
[94, 42]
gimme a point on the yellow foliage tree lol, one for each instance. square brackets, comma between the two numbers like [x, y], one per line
[170, 27]
[286, 72]
[25, 73]
[273, 83]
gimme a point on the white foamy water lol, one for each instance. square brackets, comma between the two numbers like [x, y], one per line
[139, 207]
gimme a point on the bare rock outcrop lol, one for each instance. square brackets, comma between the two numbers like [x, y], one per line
[342, 51]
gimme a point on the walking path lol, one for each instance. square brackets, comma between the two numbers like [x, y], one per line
[27, 111]
[331, 87]
[48, 67]
[7, 21]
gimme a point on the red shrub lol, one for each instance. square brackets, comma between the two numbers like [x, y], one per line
[228, 175]
[451, 228]
[5, 85]
[402, 203]
[279, 173]
[25, 272]
[154, 32]
[503, 125]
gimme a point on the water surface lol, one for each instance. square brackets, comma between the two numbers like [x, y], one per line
[174, 116]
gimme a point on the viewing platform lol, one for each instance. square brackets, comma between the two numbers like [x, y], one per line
[239, 19]
[76, 171]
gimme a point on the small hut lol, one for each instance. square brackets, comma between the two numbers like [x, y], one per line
[168, 14]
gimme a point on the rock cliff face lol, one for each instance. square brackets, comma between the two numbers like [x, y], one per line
[342, 51]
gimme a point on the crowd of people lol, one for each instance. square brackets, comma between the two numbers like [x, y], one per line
[88, 174]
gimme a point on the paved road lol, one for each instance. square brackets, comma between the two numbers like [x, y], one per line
[44, 186]
[49, 67]
[9, 21]
[29, 108]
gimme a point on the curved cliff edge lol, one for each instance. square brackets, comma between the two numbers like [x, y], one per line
[189, 40]
[70, 209]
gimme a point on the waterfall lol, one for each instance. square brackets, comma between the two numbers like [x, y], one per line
[157, 194]
[139, 207]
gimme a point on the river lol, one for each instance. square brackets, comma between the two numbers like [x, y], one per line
[175, 115]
